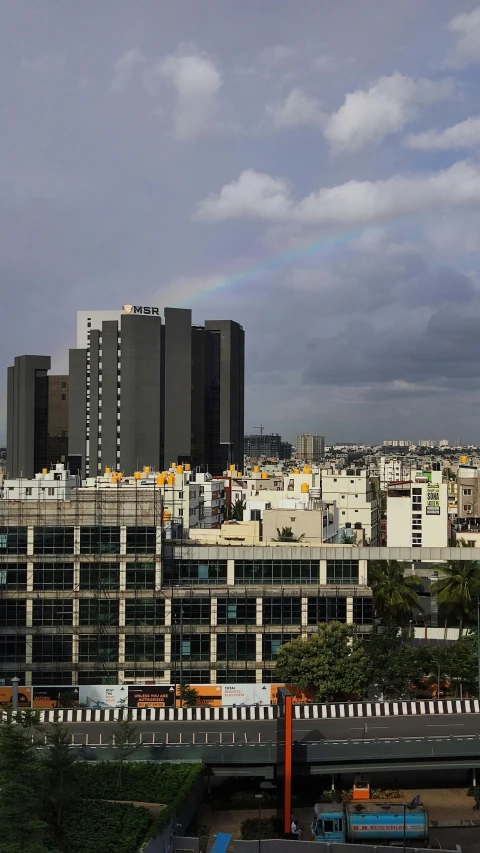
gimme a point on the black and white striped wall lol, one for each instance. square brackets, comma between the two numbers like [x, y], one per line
[267, 712]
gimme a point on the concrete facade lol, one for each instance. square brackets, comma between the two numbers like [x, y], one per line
[417, 511]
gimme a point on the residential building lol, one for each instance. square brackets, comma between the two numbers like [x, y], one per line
[37, 416]
[427, 442]
[55, 484]
[354, 493]
[147, 390]
[310, 448]
[468, 497]
[417, 511]
[269, 446]
[402, 442]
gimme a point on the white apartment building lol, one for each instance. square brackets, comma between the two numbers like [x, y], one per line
[397, 442]
[417, 512]
[310, 448]
[353, 493]
[53, 485]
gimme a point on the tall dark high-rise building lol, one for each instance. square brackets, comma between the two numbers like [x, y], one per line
[147, 390]
[37, 416]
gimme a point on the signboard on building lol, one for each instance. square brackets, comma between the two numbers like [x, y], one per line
[103, 695]
[55, 697]
[24, 696]
[432, 506]
[210, 695]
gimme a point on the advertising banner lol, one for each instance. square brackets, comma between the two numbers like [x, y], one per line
[247, 694]
[433, 499]
[151, 696]
[300, 696]
[24, 696]
[51, 697]
[101, 696]
[209, 695]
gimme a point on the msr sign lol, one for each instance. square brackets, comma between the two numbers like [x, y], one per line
[141, 309]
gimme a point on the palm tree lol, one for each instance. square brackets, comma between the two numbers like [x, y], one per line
[394, 596]
[286, 534]
[457, 587]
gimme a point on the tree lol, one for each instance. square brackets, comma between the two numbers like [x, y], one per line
[188, 696]
[286, 534]
[333, 662]
[236, 510]
[394, 596]
[457, 588]
[345, 538]
[22, 829]
[124, 738]
[394, 665]
[58, 772]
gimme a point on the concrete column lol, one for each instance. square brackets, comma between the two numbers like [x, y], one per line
[29, 613]
[213, 612]
[230, 572]
[258, 647]
[304, 621]
[123, 539]
[158, 574]
[323, 573]
[121, 646]
[168, 648]
[259, 620]
[121, 615]
[362, 572]
[349, 611]
[158, 540]
[76, 575]
[75, 612]
[75, 649]
[213, 676]
[30, 542]
[76, 541]
[123, 576]
[29, 575]
[213, 648]
[168, 611]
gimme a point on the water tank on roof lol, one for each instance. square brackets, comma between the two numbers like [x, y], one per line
[305, 488]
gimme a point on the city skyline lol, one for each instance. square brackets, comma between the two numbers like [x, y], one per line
[300, 174]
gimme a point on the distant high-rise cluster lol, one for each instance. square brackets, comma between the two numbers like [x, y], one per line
[310, 448]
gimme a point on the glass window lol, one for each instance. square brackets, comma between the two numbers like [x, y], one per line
[190, 676]
[362, 611]
[12, 648]
[52, 677]
[187, 572]
[98, 611]
[51, 648]
[236, 676]
[145, 611]
[144, 647]
[53, 540]
[52, 611]
[236, 611]
[236, 647]
[97, 647]
[140, 576]
[281, 611]
[195, 611]
[98, 676]
[342, 571]
[99, 540]
[326, 609]
[141, 540]
[276, 571]
[271, 643]
[192, 647]
[13, 576]
[13, 540]
[99, 576]
[53, 576]
[13, 612]
[268, 676]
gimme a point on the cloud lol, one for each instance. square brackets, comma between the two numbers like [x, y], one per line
[196, 81]
[369, 115]
[298, 108]
[48, 63]
[326, 63]
[271, 56]
[466, 31]
[124, 68]
[465, 134]
[261, 196]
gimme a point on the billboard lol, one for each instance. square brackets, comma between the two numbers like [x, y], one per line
[432, 506]
[209, 695]
[101, 696]
[55, 697]
[24, 696]
[151, 696]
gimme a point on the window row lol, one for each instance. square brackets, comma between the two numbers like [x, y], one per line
[99, 539]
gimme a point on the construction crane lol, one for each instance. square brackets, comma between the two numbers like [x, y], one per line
[261, 428]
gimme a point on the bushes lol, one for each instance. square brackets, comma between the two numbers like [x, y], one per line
[267, 827]
[193, 772]
[91, 827]
[142, 781]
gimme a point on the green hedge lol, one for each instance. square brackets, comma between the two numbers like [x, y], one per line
[142, 781]
[91, 827]
[194, 771]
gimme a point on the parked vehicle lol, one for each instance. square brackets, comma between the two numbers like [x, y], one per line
[365, 821]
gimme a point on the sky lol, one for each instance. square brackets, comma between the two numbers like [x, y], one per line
[309, 168]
